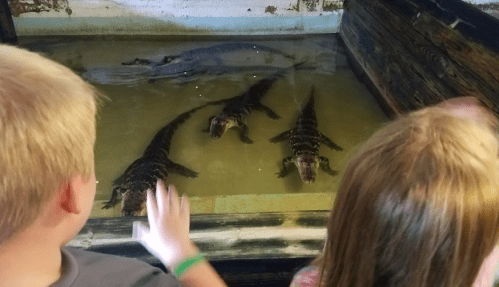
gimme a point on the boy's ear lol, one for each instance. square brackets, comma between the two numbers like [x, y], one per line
[68, 197]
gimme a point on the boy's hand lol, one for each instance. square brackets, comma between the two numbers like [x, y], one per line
[168, 235]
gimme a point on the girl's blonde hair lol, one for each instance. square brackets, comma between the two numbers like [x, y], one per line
[47, 133]
[418, 204]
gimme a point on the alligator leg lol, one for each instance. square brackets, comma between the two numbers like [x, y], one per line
[324, 164]
[268, 111]
[325, 140]
[182, 170]
[285, 166]
[244, 133]
[285, 135]
[207, 130]
[113, 200]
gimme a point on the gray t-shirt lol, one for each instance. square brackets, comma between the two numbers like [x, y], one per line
[84, 268]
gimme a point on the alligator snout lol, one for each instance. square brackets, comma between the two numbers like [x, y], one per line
[216, 132]
[307, 167]
[134, 203]
[130, 213]
[218, 126]
[308, 176]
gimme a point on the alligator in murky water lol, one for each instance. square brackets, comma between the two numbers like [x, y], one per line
[185, 72]
[237, 108]
[211, 52]
[144, 172]
[305, 141]
[179, 72]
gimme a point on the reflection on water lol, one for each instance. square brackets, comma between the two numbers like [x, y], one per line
[346, 112]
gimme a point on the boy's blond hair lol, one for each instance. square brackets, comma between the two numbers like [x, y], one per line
[47, 133]
[418, 204]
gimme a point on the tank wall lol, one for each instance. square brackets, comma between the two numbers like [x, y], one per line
[177, 17]
[488, 6]
[184, 17]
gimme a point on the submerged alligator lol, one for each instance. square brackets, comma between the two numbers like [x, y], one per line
[188, 65]
[179, 72]
[144, 172]
[305, 141]
[237, 108]
[211, 52]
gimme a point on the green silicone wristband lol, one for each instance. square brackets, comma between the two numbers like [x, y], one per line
[186, 264]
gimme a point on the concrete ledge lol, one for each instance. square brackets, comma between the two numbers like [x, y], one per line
[222, 236]
[256, 249]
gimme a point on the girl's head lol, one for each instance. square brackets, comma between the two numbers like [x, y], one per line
[419, 203]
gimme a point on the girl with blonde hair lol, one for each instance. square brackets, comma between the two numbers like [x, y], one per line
[418, 205]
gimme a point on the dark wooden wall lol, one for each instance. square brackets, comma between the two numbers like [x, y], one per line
[416, 53]
[7, 30]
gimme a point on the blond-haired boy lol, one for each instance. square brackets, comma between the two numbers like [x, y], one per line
[47, 179]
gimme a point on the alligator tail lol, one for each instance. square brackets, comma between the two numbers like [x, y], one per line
[161, 142]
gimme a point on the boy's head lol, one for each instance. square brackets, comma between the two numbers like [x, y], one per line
[47, 133]
[419, 203]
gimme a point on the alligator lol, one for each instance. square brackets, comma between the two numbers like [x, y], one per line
[180, 72]
[211, 52]
[305, 141]
[237, 108]
[144, 172]
[185, 72]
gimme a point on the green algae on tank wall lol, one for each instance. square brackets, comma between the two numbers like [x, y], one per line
[138, 109]
[228, 166]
